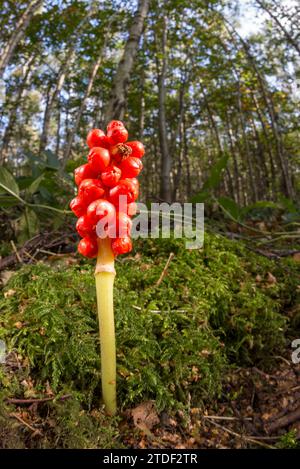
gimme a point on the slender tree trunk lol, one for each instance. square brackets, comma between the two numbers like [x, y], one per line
[166, 162]
[180, 133]
[61, 75]
[52, 97]
[13, 113]
[116, 105]
[283, 162]
[84, 99]
[18, 34]
[82, 106]
[142, 105]
[57, 145]
[246, 146]
[215, 131]
[235, 161]
[186, 158]
[268, 146]
[261, 169]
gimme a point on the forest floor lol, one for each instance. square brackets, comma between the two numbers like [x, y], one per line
[204, 358]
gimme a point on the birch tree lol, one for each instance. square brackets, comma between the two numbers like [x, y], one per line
[18, 34]
[117, 101]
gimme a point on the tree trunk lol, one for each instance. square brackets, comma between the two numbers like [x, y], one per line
[166, 162]
[13, 113]
[142, 105]
[52, 97]
[61, 75]
[283, 162]
[116, 105]
[84, 99]
[235, 160]
[178, 174]
[82, 106]
[246, 146]
[57, 145]
[267, 139]
[186, 159]
[18, 34]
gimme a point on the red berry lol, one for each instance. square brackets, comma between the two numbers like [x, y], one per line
[111, 175]
[99, 209]
[88, 246]
[98, 159]
[90, 190]
[121, 245]
[135, 183]
[78, 206]
[97, 138]
[114, 125]
[120, 227]
[84, 227]
[125, 188]
[84, 172]
[131, 167]
[120, 151]
[117, 135]
[138, 149]
[131, 209]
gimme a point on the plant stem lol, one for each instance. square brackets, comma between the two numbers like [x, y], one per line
[105, 275]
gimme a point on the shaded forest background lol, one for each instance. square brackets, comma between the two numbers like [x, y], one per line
[204, 336]
[217, 109]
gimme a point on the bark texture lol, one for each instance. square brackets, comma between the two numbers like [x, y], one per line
[18, 34]
[166, 162]
[117, 102]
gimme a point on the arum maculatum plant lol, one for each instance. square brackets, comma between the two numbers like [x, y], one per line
[107, 191]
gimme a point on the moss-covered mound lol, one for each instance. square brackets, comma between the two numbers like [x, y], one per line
[216, 307]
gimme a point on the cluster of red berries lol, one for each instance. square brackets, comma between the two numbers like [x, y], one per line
[107, 189]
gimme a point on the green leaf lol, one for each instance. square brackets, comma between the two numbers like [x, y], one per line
[7, 201]
[8, 183]
[52, 160]
[261, 205]
[231, 206]
[216, 173]
[28, 225]
[24, 182]
[35, 184]
[201, 197]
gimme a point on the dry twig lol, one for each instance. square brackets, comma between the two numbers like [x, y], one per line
[165, 269]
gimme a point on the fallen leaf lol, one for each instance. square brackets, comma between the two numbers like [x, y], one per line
[271, 279]
[9, 293]
[145, 417]
[296, 257]
[5, 276]
[18, 325]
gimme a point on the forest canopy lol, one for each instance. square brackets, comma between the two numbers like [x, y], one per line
[212, 88]
[205, 350]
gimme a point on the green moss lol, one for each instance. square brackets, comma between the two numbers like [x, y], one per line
[173, 341]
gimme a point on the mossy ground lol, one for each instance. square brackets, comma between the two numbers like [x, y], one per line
[219, 307]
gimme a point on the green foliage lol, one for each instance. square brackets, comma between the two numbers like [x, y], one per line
[39, 191]
[261, 210]
[9, 186]
[213, 179]
[175, 341]
[172, 340]
[288, 441]
[230, 206]
[63, 424]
